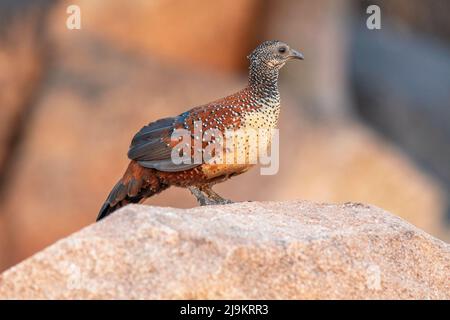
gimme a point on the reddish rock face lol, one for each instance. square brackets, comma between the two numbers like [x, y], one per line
[21, 68]
[271, 250]
[210, 35]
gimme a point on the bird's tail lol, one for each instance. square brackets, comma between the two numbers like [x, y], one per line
[113, 203]
[137, 183]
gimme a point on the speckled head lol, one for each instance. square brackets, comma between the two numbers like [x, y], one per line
[273, 54]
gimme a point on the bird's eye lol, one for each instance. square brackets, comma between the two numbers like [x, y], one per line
[282, 49]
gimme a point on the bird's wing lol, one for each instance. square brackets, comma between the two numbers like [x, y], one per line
[151, 147]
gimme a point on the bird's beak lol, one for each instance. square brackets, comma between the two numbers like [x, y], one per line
[296, 55]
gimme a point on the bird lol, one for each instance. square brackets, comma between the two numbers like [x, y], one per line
[152, 168]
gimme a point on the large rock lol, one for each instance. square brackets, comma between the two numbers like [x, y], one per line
[22, 64]
[254, 250]
[206, 34]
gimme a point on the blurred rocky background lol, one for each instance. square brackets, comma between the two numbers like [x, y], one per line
[366, 117]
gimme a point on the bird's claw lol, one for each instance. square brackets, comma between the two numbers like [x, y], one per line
[210, 199]
[213, 202]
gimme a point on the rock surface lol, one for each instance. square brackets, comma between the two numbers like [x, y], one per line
[271, 250]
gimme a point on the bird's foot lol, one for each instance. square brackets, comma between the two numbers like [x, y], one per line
[209, 197]
[201, 198]
[215, 202]
[222, 201]
[214, 196]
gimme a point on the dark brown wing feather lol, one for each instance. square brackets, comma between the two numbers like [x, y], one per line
[151, 147]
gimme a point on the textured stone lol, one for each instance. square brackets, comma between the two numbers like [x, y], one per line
[272, 250]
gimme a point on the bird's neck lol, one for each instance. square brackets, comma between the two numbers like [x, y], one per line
[263, 81]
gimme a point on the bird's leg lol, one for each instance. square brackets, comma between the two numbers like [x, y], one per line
[202, 199]
[206, 196]
[212, 195]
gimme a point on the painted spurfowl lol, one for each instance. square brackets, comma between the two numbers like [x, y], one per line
[153, 167]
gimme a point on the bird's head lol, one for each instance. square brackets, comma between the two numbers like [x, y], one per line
[273, 55]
